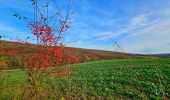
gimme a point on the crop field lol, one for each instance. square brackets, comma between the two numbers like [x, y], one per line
[120, 78]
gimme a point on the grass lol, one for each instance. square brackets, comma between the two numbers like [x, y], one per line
[126, 78]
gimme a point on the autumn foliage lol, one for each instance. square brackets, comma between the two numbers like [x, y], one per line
[49, 57]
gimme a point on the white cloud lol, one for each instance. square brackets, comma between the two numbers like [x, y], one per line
[152, 30]
[105, 35]
[155, 35]
[138, 21]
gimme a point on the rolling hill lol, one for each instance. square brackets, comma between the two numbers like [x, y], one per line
[85, 55]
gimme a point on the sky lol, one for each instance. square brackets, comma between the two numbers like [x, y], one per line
[137, 26]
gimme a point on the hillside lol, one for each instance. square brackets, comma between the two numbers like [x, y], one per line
[85, 55]
[166, 55]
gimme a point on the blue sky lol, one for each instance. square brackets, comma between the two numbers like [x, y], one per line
[136, 25]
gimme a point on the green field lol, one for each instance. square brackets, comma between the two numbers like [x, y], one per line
[126, 78]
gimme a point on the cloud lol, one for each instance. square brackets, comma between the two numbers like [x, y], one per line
[155, 34]
[134, 23]
[138, 21]
[148, 29]
[105, 35]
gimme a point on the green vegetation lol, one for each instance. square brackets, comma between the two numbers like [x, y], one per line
[126, 78]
